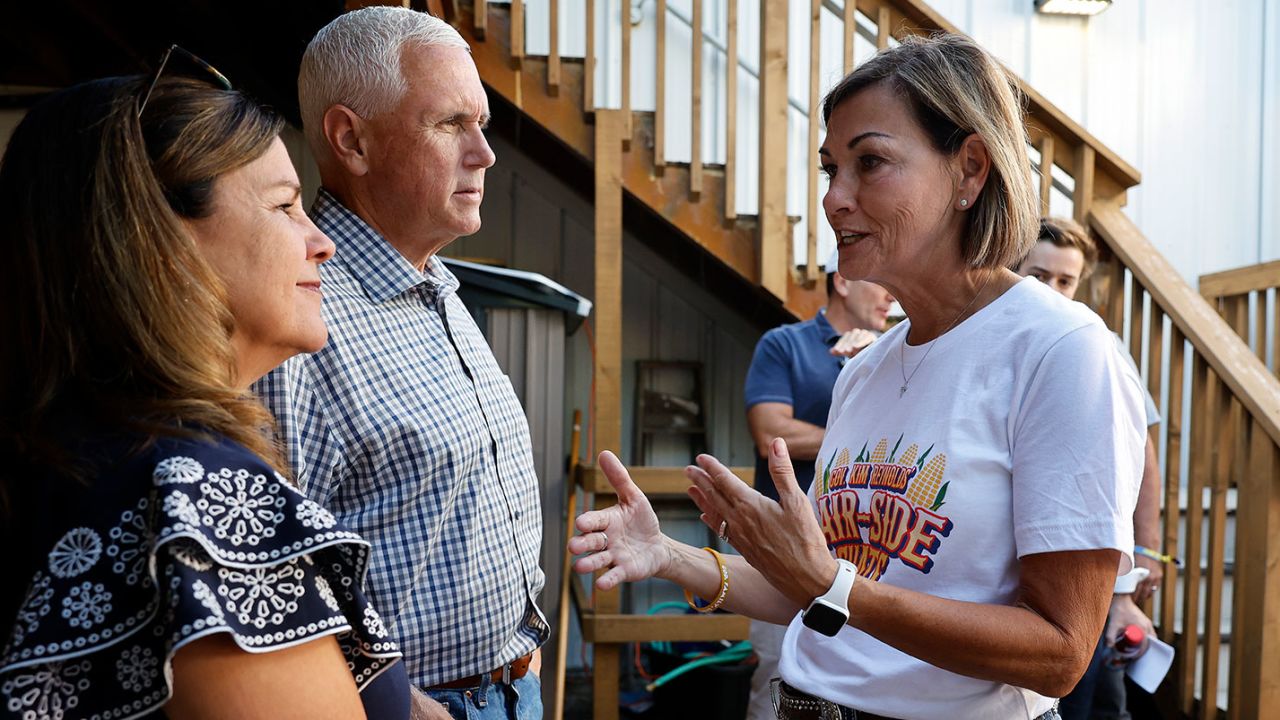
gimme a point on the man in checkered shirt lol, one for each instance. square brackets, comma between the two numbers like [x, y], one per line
[403, 425]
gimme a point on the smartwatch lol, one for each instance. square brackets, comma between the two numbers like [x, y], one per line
[828, 613]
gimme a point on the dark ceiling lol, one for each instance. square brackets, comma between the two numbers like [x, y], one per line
[258, 45]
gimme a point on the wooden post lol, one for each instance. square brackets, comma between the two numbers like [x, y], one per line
[731, 112]
[625, 12]
[553, 51]
[882, 27]
[589, 63]
[1137, 319]
[517, 34]
[773, 226]
[812, 213]
[1225, 413]
[660, 89]
[606, 416]
[1204, 383]
[850, 32]
[695, 129]
[1082, 196]
[1172, 482]
[1258, 519]
[481, 10]
[1046, 172]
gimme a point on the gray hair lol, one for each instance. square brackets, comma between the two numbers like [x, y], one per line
[354, 61]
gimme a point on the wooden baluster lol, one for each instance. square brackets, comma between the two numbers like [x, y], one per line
[1046, 172]
[850, 32]
[695, 141]
[660, 88]
[882, 27]
[607, 413]
[1137, 319]
[1258, 519]
[1260, 326]
[589, 61]
[773, 225]
[731, 112]
[1172, 483]
[1275, 337]
[1155, 354]
[517, 34]
[1226, 413]
[625, 12]
[1082, 195]
[812, 213]
[553, 50]
[1202, 403]
[480, 11]
[1115, 297]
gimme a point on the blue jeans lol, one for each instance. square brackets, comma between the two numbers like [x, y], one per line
[521, 700]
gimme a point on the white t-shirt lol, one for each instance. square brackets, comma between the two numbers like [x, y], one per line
[1021, 433]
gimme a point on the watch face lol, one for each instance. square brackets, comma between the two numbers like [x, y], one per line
[824, 619]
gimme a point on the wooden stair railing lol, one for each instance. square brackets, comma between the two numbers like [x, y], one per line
[1231, 292]
[1195, 364]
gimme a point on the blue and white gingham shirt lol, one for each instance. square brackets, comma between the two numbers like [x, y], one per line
[406, 429]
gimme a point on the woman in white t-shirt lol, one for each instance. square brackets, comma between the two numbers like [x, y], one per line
[977, 480]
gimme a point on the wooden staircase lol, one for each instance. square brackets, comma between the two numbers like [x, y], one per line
[666, 188]
[1193, 362]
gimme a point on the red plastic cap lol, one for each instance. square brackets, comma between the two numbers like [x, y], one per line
[1133, 635]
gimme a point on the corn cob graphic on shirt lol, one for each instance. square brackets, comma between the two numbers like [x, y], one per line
[884, 505]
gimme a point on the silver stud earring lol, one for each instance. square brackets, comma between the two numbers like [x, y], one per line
[964, 203]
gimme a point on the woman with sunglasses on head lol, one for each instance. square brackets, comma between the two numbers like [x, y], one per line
[158, 261]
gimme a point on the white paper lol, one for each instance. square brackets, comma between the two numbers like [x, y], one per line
[1149, 669]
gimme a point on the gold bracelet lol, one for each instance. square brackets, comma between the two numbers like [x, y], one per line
[724, 587]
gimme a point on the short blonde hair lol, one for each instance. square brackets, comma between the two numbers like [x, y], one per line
[956, 89]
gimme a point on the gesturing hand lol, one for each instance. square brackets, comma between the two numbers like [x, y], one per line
[852, 342]
[782, 540]
[624, 538]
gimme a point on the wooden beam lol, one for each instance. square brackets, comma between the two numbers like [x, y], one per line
[884, 24]
[1203, 384]
[811, 153]
[609, 628]
[1172, 482]
[731, 113]
[850, 32]
[553, 51]
[517, 33]
[625, 14]
[695, 129]
[1046, 172]
[1082, 196]
[589, 61]
[660, 90]
[773, 227]
[480, 9]
[650, 480]
[606, 415]
[1226, 414]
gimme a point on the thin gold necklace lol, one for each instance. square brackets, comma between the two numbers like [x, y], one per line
[902, 351]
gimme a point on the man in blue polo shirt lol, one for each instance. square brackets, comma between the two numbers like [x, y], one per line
[788, 394]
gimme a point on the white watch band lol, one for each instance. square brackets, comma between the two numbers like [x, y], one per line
[838, 593]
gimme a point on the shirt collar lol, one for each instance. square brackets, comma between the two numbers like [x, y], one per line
[372, 262]
[825, 331]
